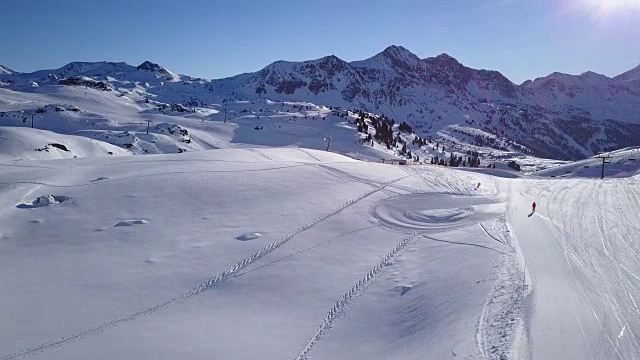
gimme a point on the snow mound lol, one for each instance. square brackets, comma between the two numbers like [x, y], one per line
[34, 144]
[131, 223]
[44, 200]
[248, 236]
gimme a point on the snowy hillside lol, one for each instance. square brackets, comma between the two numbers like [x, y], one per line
[559, 116]
[119, 118]
[292, 253]
[5, 70]
[619, 163]
[631, 75]
[26, 143]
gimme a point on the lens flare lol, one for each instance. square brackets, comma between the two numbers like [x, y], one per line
[604, 8]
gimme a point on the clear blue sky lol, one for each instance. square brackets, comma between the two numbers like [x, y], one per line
[523, 39]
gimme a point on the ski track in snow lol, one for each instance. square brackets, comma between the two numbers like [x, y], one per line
[464, 243]
[463, 183]
[232, 271]
[259, 153]
[493, 237]
[308, 153]
[281, 241]
[502, 318]
[305, 250]
[571, 256]
[343, 175]
[601, 257]
[151, 175]
[348, 298]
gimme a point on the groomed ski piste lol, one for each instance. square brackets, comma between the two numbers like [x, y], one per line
[291, 253]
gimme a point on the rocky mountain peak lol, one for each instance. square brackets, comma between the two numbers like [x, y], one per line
[151, 67]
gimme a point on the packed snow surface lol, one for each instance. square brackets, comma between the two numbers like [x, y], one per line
[291, 253]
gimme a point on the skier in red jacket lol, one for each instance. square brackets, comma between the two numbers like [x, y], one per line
[533, 207]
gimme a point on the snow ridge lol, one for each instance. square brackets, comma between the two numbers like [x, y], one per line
[5, 70]
[501, 325]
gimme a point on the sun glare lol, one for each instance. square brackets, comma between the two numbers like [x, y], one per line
[603, 8]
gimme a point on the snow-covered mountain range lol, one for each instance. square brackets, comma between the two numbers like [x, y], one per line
[280, 243]
[559, 116]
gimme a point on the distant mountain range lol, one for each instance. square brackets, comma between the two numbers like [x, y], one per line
[559, 116]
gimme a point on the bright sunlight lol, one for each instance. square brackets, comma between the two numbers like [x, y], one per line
[604, 8]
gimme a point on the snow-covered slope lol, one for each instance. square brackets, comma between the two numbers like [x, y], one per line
[292, 253]
[631, 75]
[120, 117]
[619, 163]
[582, 265]
[157, 70]
[26, 143]
[251, 253]
[5, 70]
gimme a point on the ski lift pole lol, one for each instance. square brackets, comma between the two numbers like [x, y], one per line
[148, 123]
[604, 161]
[328, 140]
